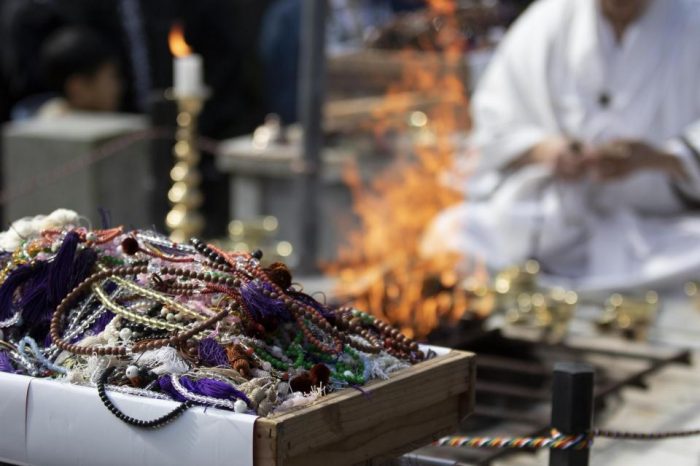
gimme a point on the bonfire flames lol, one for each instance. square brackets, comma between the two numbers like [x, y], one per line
[382, 269]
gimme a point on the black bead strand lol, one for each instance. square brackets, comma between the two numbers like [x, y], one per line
[151, 424]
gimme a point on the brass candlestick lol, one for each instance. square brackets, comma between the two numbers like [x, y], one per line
[184, 220]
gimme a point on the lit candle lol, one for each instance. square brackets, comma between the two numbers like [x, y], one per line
[187, 66]
[187, 75]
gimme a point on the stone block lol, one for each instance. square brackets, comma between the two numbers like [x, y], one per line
[79, 162]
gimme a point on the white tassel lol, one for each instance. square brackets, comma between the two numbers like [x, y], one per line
[60, 218]
[375, 370]
[259, 373]
[75, 377]
[24, 227]
[109, 334]
[93, 340]
[162, 361]
[30, 227]
[62, 357]
[94, 367]
[297, 400]
[384, 364]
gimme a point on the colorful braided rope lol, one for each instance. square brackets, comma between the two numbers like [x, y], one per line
[557, 441]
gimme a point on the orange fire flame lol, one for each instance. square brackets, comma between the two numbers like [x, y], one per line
[382, 269]
[176, 41]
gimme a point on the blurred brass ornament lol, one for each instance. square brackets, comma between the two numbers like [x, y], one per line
[260, 233]
[515, 291]
[631, 316]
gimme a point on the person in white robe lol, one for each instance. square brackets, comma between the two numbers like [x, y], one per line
[587, 132]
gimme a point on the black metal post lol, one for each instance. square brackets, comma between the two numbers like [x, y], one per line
[572, 409]
[311, 96]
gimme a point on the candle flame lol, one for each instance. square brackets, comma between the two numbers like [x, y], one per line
[176, 41]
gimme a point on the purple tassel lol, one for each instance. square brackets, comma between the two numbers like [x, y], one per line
[101, 322]
[84, 263]
[167, 387]
[34, 302]
[214, 389]
[42, 295]
[13, 281]
[261, 306]
[206, 387]
[5, 363]
[212, 353]
[61, 268]
[107, 316]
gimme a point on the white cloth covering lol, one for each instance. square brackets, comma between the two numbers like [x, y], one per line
[48, 422]
[547, 79]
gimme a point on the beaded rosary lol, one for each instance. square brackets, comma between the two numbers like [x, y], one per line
[133, 312]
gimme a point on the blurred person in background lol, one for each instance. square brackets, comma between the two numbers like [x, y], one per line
[24, 27]
[224, 32]
[586, 127]
[83, 72]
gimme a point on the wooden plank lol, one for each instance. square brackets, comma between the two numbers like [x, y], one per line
[265, 443]
[335, 418]
[390, 438]
[416, 404]
[467, 400]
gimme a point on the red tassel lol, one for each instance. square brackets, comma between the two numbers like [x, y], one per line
[320, 375]
[301, 383]
[279, 275]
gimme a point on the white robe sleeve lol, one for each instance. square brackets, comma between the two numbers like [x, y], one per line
[687, 149]
[512, 104]
[687, 145]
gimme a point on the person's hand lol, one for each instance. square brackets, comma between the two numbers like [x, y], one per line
[619, 159]
[563, 155]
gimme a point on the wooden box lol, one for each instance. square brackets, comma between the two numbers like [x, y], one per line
[417, 405]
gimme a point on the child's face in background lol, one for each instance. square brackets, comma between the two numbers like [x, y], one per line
[99, 92]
